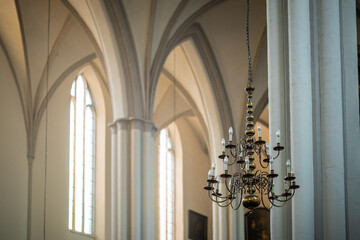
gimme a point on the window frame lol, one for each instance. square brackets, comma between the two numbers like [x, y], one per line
[169, 150]
[72, 145]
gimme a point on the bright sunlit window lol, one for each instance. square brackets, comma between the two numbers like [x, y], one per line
[167, 189]
[81, 158]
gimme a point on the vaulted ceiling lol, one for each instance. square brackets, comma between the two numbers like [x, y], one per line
[144, 33]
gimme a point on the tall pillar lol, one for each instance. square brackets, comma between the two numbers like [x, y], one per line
[135, 130]
[215, 220]
[148, 205]
[233, 222]
[301, 118]
[241, 223]
[331, 112]
[132, 179]
[276, 18]
[223, 215]
[351, 121]
[113, 182]
[236, 221]
[122, 177]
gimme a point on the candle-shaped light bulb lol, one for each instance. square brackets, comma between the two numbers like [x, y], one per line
[226, 161]
[247, 163]
[271, 164]
[286, 185]
[241, 151]
[278, 136]
[230, 134]
[288, 166]
[223, 145]
[259, 130]
[267, 149]
[213, 166]
[217, 183]
[209, 174]
[292, 172]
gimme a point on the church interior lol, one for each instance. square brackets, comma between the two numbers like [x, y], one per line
[113, 112]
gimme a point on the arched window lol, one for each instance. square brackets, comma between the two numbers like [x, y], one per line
[167, 187]
[81, 158]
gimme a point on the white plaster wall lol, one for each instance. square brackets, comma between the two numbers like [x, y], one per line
[196, 165]
[14, 164]
[13, 161]
[58, 164]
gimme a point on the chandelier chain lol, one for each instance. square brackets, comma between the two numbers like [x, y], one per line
[250, 79]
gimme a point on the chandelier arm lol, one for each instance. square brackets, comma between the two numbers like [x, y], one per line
[210, 196]
[227, 187]
[284, 193]
[230, 164]
[273, 203]
[232, 154]
[226, 205]
[284, 200]
[220, 197]
[277, 195]
[262, 200]
[287, 198]
[262, 164]
[238, 206]
[217, 201]
[264, 151]
[277, 155]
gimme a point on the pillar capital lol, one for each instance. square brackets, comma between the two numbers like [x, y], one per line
[147, 125]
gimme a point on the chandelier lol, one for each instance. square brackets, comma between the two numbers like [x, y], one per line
[253, 187]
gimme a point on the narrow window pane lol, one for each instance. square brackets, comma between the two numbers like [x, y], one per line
[81, 158]
[72, 91]
[71, 162]
[166, 166]
[89, 169]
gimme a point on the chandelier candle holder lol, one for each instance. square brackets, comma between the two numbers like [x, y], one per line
[247, 183]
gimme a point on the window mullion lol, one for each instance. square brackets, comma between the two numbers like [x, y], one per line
[74, 162]
[84, 146]
[83, 164]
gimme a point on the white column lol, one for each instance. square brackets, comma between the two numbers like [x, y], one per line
[122, 175]
[301, 118]
[233, 223]
[215, 220]
[223, 217]
[222, 212]
[113, 182]
[132, 190]
[334, 225]
[30, 159]
[136, 183]
[148, 204]
[351, 113]
[241, 221]
[237, 222]
[279, 221]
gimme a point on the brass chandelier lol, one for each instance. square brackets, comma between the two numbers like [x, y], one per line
[252, 186]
